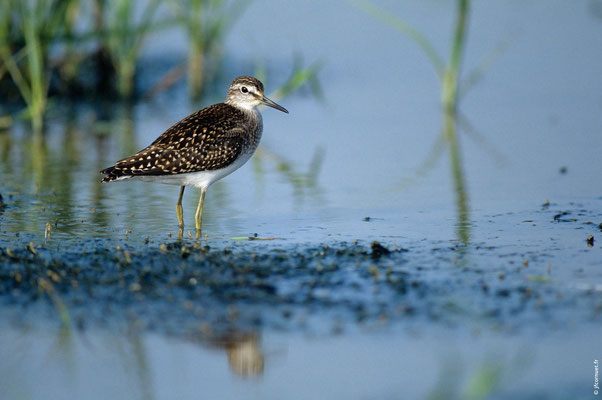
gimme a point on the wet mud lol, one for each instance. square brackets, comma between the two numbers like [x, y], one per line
[539, 277]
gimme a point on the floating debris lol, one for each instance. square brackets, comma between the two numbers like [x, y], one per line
[537, 278]
[252, 238]
[558, 217]
[379, 250]
[31, 248]
[185, 252]
[135, 287]
[56, 278]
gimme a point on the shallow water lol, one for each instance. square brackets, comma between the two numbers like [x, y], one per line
[507, 300]
[101, 365]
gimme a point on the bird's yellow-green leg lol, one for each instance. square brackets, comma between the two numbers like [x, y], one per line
[198, 217]
[180, 213]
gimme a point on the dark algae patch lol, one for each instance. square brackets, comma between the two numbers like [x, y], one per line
[189, 282]
[177, 286]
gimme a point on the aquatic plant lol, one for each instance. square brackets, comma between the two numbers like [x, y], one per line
[45, 286]
[299, 77]
[29, 31]
[206, 22]
[449, 99]
[123, 38]
[303, 183]
[24, 29]
[481, 384]
[449, 76]
[75, 48]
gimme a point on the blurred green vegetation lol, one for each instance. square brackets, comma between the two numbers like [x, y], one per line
[206, 23]
[481, 384]
[58, 53]
[453, 88]
[124, 37]
[93, 49]
[484, 380]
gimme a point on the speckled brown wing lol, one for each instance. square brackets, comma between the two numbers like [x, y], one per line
[209, 139]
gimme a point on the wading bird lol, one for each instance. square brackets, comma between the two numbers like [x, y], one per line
[203, 147]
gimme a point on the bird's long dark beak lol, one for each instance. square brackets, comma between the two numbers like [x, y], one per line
[264, 100]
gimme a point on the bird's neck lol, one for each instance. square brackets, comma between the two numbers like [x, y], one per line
[251, 113]
[239, 105]
[256, 122]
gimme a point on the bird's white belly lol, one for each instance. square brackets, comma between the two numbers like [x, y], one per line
[199, 179]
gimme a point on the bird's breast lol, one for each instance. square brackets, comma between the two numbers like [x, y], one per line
[255, 130]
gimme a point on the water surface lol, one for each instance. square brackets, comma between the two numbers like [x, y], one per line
[507, 300]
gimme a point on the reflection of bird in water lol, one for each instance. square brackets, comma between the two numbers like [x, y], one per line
[245, 356]
[203, 147]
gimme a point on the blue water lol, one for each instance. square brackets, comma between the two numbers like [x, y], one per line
[536, 118]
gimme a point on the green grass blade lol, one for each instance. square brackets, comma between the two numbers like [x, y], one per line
[405, 28]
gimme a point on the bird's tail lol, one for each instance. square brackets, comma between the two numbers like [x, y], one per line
[113, 174]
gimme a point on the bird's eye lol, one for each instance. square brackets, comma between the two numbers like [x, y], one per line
[244, 89]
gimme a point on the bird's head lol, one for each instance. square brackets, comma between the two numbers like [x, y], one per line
[246, 92]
